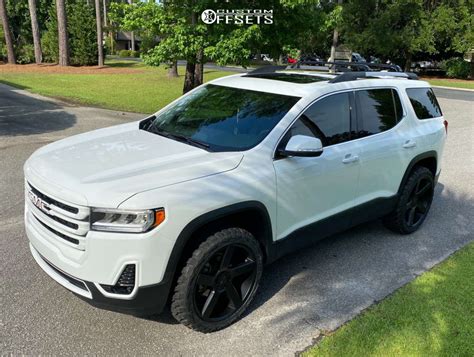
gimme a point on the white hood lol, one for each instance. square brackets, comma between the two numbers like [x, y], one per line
[105, 167]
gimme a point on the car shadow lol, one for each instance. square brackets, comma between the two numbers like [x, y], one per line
[22, 114]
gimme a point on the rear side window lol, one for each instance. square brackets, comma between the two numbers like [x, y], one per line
[424, 102]
[378, 110]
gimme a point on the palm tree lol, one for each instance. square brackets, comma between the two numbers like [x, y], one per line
[99, 33]
[35, 31]
[62, 33]
[6, 31]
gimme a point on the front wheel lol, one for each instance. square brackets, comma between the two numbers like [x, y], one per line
[414, 203]
[219, 281]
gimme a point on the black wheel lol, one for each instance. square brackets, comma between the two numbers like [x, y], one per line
[414, 203]
[219, 281]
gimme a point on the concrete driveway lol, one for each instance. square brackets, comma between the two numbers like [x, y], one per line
[301, 295]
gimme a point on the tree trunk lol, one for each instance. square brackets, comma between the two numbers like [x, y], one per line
[132, 34]
[35, 31]
[105, 12]
[408, 62]
[335, 40]
[100, 45]
[62, 33]
[8, 34]
[173, 70]
[189, 77]
[199, 69]
[132, 42]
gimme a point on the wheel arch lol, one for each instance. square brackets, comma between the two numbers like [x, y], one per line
[250, 215]
[427, 159]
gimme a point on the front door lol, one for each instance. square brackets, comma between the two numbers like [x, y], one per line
[310, 189]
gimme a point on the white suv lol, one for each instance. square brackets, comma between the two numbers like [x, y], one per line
[187, 205]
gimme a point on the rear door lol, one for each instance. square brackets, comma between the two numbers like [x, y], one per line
[388, 142]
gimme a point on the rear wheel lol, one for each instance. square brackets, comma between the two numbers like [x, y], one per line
[414, 203]
[219, 281]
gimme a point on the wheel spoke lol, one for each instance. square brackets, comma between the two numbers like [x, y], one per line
[227, 257]
[411, 216]
[206, 280]
[243, 268]
[210, 303]
[410, 204]
[422, 206]
[233, 294]
[421, 191]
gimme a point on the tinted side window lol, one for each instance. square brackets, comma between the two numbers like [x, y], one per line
[378, 110]
[330, 119]
[424, 103]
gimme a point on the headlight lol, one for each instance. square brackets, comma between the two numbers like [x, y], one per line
[116, 220]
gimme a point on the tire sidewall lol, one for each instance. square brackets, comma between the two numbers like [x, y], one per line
[419, 174]
[195, 264]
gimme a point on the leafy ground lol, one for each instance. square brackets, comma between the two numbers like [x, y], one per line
[455, 83]
[122, 85]
[431, 316]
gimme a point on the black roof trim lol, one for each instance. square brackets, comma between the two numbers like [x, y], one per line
[352, 76]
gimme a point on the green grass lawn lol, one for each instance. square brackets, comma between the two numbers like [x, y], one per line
[431, 316]
[451, 83]
[140, 89]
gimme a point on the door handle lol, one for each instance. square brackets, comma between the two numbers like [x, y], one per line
[409, 144]
[350, 158]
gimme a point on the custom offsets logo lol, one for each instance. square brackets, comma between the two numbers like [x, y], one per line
[237, 17]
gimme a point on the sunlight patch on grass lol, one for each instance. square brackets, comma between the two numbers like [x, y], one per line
[432, 315]
[144, 91]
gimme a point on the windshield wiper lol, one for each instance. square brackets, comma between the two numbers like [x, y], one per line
[179, 137]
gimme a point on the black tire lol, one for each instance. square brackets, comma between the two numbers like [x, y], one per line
[414, 202]
[227, 263]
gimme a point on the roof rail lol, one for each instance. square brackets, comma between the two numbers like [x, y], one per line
[343, 66]
[352, 76]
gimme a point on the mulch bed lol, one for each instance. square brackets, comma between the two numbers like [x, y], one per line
[54, 68]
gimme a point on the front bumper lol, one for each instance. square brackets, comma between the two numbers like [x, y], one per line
[146, 300]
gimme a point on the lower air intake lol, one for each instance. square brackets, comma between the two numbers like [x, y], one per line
[125, 284]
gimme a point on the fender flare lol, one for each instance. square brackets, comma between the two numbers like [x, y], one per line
[208, 217]
[416, 160]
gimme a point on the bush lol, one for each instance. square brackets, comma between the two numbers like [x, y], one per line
[135, 54]
[456, 68]
[124, 53]
[82, 35]
[25, 54]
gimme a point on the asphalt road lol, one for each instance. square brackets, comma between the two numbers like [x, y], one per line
[301, 295]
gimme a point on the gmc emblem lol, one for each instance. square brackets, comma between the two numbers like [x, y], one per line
[38, 202]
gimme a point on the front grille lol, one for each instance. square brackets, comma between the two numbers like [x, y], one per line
[54, 202]
[70, 223]
[59, 234]
[125, 284]
[76, 282]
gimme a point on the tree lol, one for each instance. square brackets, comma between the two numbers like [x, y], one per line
[82, 34]
[405, 28]
[100, 45]
[63, 38]
[35, 31]
[7, 33]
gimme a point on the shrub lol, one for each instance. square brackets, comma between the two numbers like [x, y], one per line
[25, 54]
[135, 54]
[124, 53]
[456, 68]
[82, 35]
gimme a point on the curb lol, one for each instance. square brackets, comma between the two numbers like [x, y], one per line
[454, 88]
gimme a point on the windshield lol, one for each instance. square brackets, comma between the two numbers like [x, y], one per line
[222, 118]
